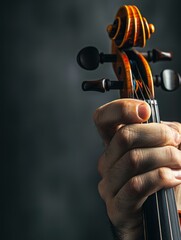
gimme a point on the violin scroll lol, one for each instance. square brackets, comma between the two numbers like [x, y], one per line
[130, 28]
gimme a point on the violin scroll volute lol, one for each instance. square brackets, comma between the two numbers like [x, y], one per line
[130, 28]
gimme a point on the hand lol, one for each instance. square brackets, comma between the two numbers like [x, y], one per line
[139, 159]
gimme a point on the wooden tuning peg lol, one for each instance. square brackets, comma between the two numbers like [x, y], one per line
[101, 85]
[156, 55]
[89, 58]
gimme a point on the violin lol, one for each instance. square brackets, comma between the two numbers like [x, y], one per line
[135, 80]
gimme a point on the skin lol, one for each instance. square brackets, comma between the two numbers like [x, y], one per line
[139, 159]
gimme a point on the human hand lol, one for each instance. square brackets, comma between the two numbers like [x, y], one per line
[139, 159]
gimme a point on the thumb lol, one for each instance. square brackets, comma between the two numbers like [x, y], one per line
[123, 111]
[143, 112]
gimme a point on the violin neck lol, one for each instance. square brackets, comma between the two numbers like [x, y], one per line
[161, 220]
[160, 216]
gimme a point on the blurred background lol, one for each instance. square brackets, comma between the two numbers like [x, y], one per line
[50, 146]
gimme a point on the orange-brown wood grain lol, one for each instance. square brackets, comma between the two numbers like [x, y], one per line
[130, 28]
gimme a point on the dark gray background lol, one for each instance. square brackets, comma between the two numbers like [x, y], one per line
[50, 145]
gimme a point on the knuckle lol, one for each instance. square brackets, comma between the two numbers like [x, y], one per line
[113, 209]
[178, 126]
[99, 168]
[177, 157]
[165, 175]
[101, 189]
[170, 152]
[135, 158]
[126, 135]
[163, 132]
[100, 165]
[97, 117]
[174, 155]
[136, 186]
[167, 134]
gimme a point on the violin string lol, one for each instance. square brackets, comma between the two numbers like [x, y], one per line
[156, 118]
[151, 103]
[134, 89]
[169, 218]
[148, 100]
[135, 93]
[148, 93]
[153, 113]
[158, 215]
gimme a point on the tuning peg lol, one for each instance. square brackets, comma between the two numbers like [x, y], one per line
[169, 80]
[101, 85]
[156, 55]
[89, 58]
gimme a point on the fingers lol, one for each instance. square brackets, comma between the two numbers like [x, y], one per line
[139, 159]
[176, 126]
[137, 162]
[131, 136]
[130, 198]
[178, 196]
[108, 117]
[139, 187]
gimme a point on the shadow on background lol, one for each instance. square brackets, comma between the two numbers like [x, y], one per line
[50, 144]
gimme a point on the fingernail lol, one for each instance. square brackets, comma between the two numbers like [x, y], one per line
[143, 112]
